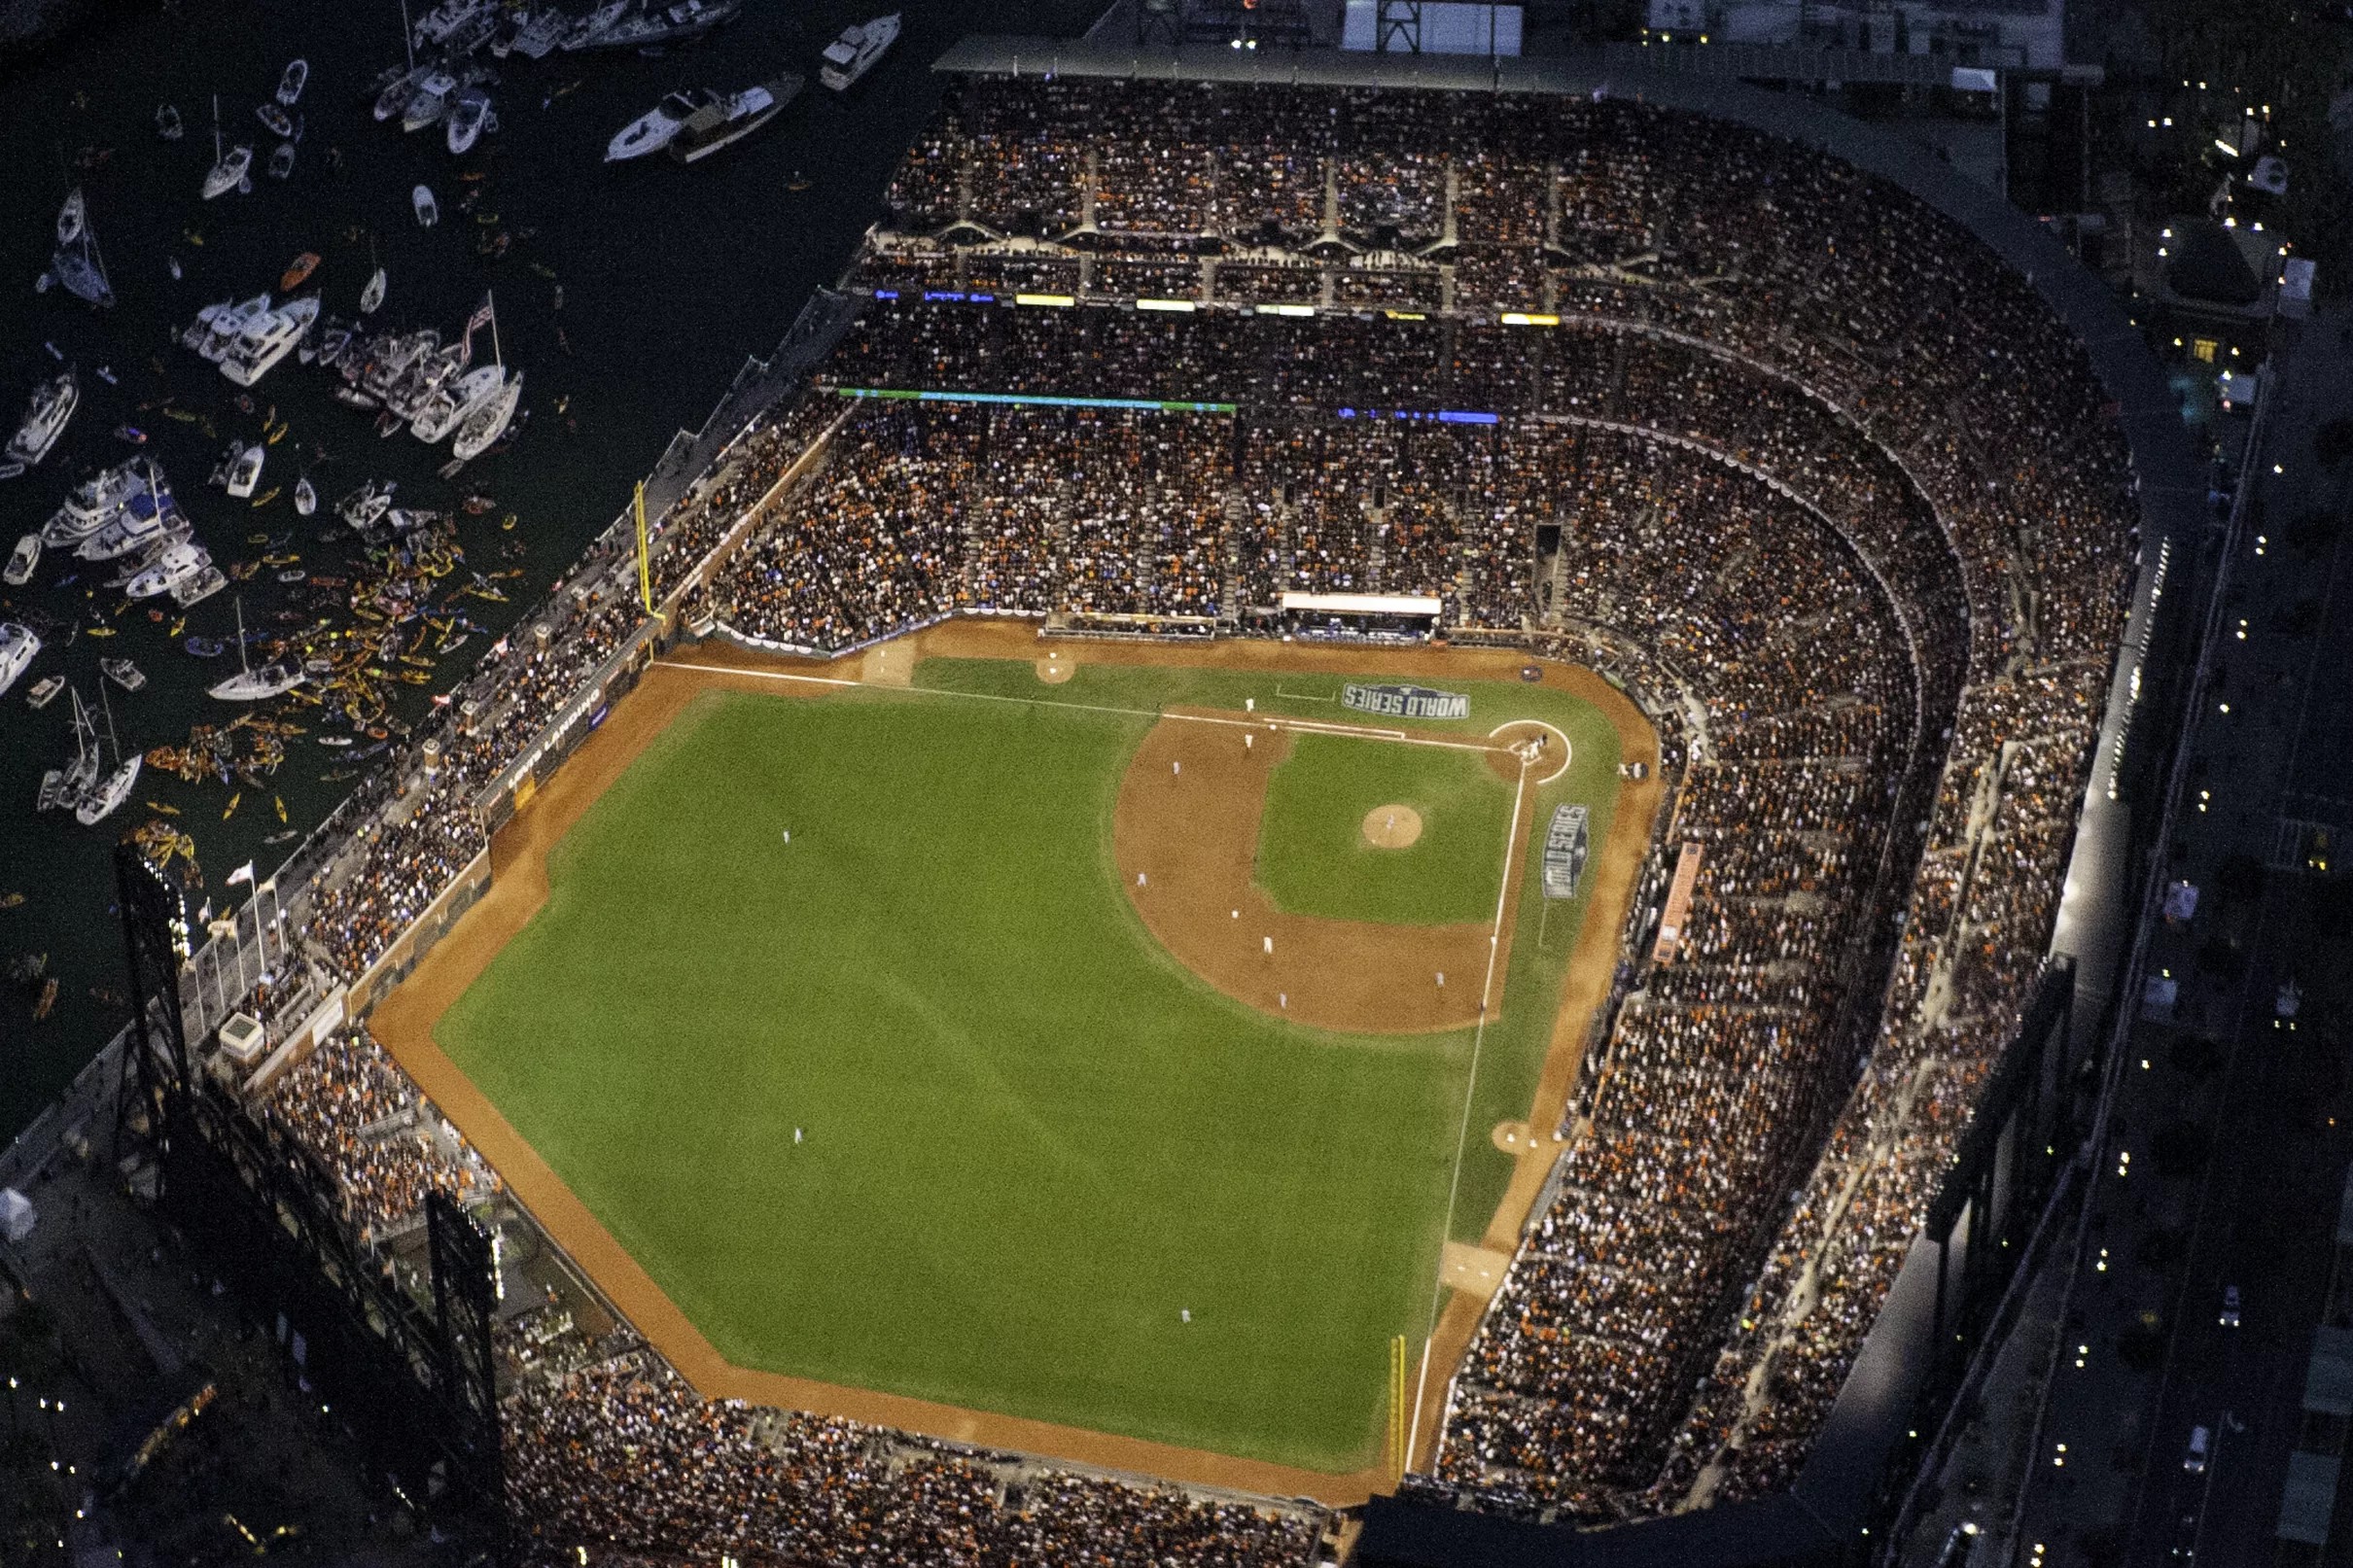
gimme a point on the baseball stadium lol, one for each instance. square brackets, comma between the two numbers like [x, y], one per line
[1349, 796]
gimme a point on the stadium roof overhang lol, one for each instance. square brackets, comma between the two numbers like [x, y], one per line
[1363, 603]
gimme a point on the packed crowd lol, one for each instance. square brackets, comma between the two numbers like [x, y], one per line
[1812, 451]
[349, 1105]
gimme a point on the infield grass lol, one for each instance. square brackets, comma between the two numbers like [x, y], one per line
[1313, 855]
[1030, 1141]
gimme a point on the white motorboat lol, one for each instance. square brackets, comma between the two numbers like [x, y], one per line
[292, 83]
[52, 404]
[18, 645]
[267, 340]
[306, 497]
[94, 503]
[538, 37]
[43, 689]
[448, 408]
[176, 563]
[246, 472]
[199, 588]
[435, 91]
[229, 169]
[274, 120]
[489, 419]
[226, 326]
[22, 560]
[857, 50]
[373, 295]
[146, 523]
[71, 217]
[653, 130]
[396, 94]
[282, 162]
[122, 672]
[428, 211]
[596, 24]
[668, 23]
[469, 117]
[733, 117]
[364, 505]
[443, 20]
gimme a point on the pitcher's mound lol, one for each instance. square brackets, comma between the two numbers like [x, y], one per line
[1391, 828]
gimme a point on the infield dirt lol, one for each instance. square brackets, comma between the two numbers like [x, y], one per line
[405, 1019]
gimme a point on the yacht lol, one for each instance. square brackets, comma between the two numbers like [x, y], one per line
[489, 419]
[653, 130]
[733, 117]
[292, 83]
[428, 211]
[364, 505]
[54, 404]
[18, 645]
[250, 684]
[228, 324]
[94, 503]
[147, 521]
[176, 563]
[594, 26]
[263, 344]
[246, 472]
[394, 98]
[855, 53]
[469, 118]
[666, 24]
[448, 18]
[448, 407]
[537, 38]
[431, 101]
[22, 560]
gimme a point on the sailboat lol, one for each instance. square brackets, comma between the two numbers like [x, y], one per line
[490, 415]
[66, 786]
[250, 684]
[229, 171]
[101, 799]
[76, 261]
[373, 295]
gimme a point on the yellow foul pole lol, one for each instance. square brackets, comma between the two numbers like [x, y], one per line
[644, 575]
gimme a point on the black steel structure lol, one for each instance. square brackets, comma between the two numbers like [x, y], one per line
[264, 1217]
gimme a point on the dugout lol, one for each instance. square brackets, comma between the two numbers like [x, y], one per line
[1361, 617]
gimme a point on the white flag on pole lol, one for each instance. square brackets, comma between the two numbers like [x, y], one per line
[243, 873]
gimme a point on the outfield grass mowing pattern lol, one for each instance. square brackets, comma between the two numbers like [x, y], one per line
[1031, 1139]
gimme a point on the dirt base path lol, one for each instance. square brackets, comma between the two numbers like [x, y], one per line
[1186, 837]
[405, 1020]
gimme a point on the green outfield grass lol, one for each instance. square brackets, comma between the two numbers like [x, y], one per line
[1029, 1139]
[1312, 857]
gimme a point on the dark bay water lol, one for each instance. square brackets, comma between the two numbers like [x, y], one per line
[670, 277]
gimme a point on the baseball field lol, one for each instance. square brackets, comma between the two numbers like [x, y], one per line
[1114, 1046]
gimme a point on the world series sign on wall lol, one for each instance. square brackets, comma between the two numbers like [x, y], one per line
[1405, 702]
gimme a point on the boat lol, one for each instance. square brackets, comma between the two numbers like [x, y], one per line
[469, 117]
[292, 83]
[230, 169]
[448, 407]
[274, 120]
[653, 130]
[66, 786]
[95, 503]
[393, 98]
[177, 563]
[132, 435]
[45, 690]
[150, 519]
[203, 647]
[373, 295]
[434, 90]
[305, 499]
[75, 263]
[250, 684]
[227, 323]
[667, 24]
[122, 672]
[733, 117]
[489, 419]
[297, 270]
[199, 588]
[282, 162]
[246, 472]
[428, 211]
[53, 403]
[855, 53]
[100, 799]
[18, 645]
[267, 341]
[594, 26]
[541, 34]
[168, 124]
[364, 505]
[437, 25]
[22, 560]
